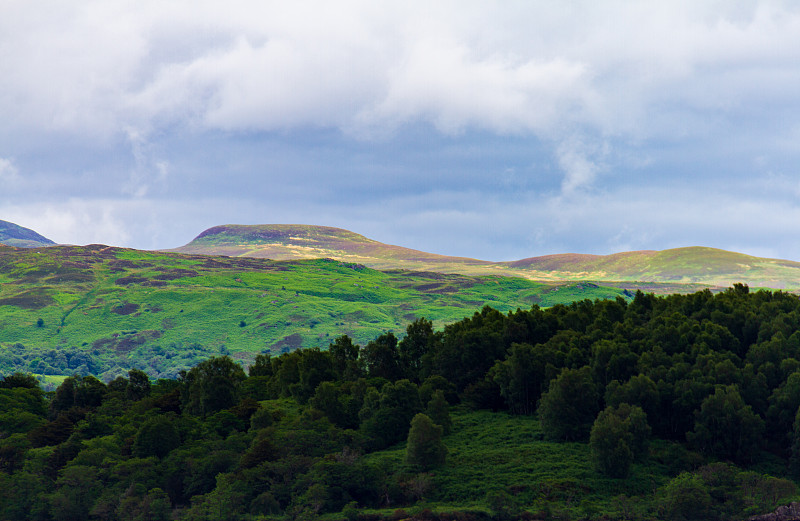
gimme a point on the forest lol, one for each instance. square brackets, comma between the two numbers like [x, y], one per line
[678, 407]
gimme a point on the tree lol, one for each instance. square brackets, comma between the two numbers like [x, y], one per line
[262, 366]
[156, 437]
[385, 416]
[211, 386]
[414, 346]
[794, 461]
[685, 498]
[344, 355]
[381, 357]
[425, 449]
[520, 378]
[618, 436]
[138, 385]
[25, 380]
[726, 427]
[567, 410]
[438, 411]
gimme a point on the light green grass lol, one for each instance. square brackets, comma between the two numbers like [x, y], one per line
[239, 307]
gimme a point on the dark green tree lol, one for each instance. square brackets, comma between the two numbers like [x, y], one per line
[794, 461]
[138, 385]
[726, 427]
[262, 366]
[414, 346]
[156, 437]
[618, 436]
[382, 359]
[211, 386]
[344, 355]
[520, 378]
[385, 416]
[439, 411]
[685, 498]
[568, 409]
[425, 449]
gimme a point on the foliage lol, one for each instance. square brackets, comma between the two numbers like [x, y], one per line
[618, 435]
[728, 428]
[568, 408]
[425, 449]
[316, 433]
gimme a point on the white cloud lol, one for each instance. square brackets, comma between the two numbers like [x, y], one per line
[518, 67]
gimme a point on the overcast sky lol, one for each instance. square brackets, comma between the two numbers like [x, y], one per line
[496, 130]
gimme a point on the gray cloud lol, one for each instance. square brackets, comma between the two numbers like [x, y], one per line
[485, 129]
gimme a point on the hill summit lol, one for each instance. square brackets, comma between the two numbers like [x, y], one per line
[695, 265]
[15, 235]
[299, 241]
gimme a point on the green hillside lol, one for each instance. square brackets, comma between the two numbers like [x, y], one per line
[707, 267]
[101, 310]
[15, 235]
[677, 408]
[680, 265]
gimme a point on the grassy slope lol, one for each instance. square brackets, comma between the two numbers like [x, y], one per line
[694, 265]
[491, 452]
[118, 303]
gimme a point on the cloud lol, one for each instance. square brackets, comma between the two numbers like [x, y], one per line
[579, 162]
[9, 174]
[123, 115]
[519, 67]
[147, 170]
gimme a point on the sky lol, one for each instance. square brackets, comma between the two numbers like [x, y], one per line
[493, 130]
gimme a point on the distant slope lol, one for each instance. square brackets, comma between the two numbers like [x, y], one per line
[708, 267]
[15, 235]
[680, 265]
[101, 310]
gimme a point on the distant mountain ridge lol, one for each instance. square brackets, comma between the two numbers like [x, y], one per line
[691, 265]
[15, 235]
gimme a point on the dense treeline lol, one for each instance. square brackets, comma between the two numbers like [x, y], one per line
[716, 375]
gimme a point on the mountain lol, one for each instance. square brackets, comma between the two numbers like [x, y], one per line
[708, 267]
[15, 235]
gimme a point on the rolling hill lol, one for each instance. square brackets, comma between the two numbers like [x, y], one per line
[15, 235]
[698, 266]
[100, 310]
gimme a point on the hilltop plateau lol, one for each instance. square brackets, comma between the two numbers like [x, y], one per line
[701, 266]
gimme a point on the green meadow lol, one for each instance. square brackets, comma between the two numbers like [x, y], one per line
[100, 310]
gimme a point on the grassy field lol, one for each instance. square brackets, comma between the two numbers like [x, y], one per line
[123, 308]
